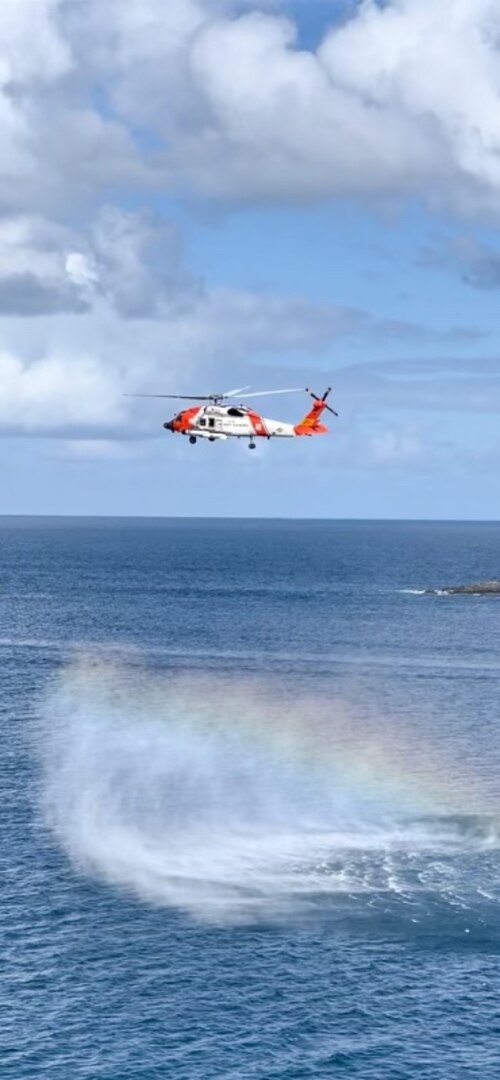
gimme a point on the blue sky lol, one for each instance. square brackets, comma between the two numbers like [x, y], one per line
[225, 192]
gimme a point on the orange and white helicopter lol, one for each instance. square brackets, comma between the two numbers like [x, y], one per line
[217, 420]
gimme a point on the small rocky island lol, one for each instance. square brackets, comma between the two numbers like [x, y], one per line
[479, 588]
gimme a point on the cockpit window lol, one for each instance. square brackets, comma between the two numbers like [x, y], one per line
[234, 412]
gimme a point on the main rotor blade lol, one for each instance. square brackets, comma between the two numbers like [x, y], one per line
[234, 393]
[220, 397]
[266, 393]
[178, 397]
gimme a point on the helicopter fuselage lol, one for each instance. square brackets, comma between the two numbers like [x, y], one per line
[237, 421]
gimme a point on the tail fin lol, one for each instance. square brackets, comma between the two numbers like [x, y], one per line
[310, 425]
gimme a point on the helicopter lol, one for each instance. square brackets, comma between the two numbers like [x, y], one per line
[219, 419]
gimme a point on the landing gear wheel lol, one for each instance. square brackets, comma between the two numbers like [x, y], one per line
[211, 438]
[192, 439]
[251, 446]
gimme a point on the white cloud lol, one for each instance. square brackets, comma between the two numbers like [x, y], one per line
[101, 100]
[32, 49]
[402, 99]
[82, 270]
[57, 148]
[133, 261]
[436, 66]
[36, 261]
[138, 263]
[68, 377]
[66, 373]
[54, 394]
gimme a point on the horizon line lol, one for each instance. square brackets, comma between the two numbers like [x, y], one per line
[256, 517]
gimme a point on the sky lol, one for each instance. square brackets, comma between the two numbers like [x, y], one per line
[202, 194]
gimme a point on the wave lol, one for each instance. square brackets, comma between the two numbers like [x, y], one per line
[426, 592]
[156, 786]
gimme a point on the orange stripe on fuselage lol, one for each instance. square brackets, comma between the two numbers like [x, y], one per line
[257, 423]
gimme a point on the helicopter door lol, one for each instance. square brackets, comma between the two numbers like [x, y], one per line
[214, 423]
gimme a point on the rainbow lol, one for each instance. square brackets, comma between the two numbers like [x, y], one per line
[376, 764]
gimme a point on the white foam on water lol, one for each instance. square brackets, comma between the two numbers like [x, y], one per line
[153, 784]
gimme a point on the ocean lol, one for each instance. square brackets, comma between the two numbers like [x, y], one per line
[250, 792]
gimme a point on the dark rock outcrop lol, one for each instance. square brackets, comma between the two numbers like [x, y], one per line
[479, 588]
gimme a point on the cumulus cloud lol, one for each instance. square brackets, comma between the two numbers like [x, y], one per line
[399, 99]
[137, 262]
[70, 375]
[133, 261]
[36, 261]
[118, 313]
[51, 393]
[105, 105]
[31, 47]
[57, 147]
[73, 372]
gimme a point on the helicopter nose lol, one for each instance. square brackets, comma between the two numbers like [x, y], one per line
[168, 425]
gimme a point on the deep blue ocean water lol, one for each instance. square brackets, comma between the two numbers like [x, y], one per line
[250, 791]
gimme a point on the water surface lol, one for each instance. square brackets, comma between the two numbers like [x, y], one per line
[251, 806]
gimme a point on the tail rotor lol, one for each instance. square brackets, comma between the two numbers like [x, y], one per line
[322, 400]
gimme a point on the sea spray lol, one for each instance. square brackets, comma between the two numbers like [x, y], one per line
[217, 797]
